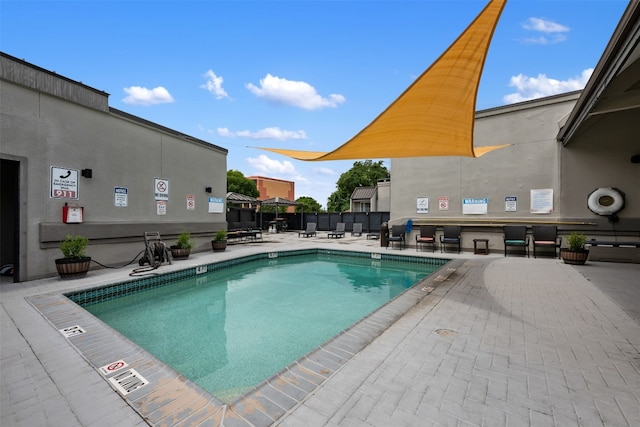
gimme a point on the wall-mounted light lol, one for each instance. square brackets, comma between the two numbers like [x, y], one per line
[87, 173]
[207, 189]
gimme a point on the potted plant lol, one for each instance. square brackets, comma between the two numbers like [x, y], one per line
[219, 242]
[575, 253]
[75, 263]
[183, 246]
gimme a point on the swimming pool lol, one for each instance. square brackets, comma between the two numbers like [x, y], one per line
[235, 324]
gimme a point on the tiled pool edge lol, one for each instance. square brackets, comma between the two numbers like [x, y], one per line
[171, 399]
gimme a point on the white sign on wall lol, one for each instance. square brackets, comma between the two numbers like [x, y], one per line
[64, 183]
[542, 201]
[161, 189]
[422, 205]
[510, 203]
[216, 205]
[475, 206]
[443, 203]
[121, 197]
[161, 207]
[191, 202]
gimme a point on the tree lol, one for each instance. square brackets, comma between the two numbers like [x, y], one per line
[308, 203]
[237, 183]
[365, 174]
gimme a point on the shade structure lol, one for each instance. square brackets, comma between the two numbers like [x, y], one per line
[435, 115]
[278, 201]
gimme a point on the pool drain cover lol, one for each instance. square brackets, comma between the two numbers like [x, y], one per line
[128, 381]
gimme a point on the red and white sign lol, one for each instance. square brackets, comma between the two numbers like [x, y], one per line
[191, 202]
[113, 367]
[443, 203]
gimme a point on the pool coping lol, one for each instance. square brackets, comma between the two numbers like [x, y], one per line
[168, 398]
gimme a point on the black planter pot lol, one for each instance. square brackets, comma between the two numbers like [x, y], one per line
[180, 253]
[218, 245]
[578, 257]
[73, 267]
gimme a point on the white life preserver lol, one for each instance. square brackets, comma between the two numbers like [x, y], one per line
[606, 201]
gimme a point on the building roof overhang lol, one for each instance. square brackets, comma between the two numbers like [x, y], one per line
[614, 86]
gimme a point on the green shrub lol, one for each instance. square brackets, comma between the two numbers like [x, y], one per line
[184, 241]
[576, 241]
[220, 235]
[74, 247]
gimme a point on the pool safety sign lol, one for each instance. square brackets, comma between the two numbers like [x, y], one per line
[161, 189]
[113, 367]
[216, 205]
[161, 207]
[542, 201]
[510, 203]
[422, 205]
[64, 183]
[443, 203]
[121, 197]
[191, 202]
[474, 206]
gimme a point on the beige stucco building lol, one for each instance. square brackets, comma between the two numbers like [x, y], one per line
[563, 149]
[61, 143]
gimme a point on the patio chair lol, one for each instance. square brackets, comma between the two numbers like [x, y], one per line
[397, 235]
[516, 235]
[546, 236]
[357, 229]
[310, 231]
[427, 236]
[338, 232]
[451, 236]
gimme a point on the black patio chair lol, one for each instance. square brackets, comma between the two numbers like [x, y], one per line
[546, 236]
[516, 235]
[451, 235]
[427, 237]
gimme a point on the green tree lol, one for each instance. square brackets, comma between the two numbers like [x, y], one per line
[308, 203]
[365, 174]
[237, 183]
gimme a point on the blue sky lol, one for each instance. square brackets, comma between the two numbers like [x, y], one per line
[295, 74]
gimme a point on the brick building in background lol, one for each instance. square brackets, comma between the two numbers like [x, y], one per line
[272, 187]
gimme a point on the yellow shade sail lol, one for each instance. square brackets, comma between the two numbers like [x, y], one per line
[435, 115]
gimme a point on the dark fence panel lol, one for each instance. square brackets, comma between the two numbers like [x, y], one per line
[327, 221]
[242, 218]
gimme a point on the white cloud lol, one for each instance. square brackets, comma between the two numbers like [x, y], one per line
[266, 133]
[142, 96]
[214, 85]
[544, 26]
[269, 166]
[324, 171]
[553, 32]
[541, 86]
[295, 93]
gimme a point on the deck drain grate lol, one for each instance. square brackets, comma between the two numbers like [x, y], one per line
[128, 381]
[72, 331]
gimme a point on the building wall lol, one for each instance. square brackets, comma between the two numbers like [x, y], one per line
[41, 130]
[272, 187]
[535, 161]
[602, 158]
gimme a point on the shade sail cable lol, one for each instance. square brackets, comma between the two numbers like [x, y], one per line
[435, 115]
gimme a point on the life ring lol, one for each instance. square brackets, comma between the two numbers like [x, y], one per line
[606, 201]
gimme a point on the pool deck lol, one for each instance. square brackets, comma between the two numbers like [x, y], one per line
[488, 341]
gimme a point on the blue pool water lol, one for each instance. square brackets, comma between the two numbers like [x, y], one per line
[231, 329]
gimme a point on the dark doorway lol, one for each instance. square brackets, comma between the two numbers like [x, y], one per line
[9, 224]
